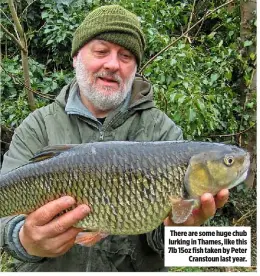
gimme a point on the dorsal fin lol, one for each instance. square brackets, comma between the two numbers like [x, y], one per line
[50, 151]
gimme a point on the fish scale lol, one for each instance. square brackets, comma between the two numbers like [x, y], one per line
[130, 186]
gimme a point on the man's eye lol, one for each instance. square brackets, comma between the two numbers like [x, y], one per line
[100, 52]
[126, 56]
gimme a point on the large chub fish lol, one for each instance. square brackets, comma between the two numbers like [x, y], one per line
[130, 186]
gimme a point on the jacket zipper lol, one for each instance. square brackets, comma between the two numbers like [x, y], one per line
[103, 128]
[101, 136]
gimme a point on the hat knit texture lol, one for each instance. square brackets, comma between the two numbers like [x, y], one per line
[114, 24]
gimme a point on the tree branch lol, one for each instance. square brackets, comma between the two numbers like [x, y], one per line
[15, 80]
[25, 9]
[15, 18]
[230, 135]
[1, 141]
[208, 13]
[10, 22]
[6, 16]
[13, 38]
[191, 15]
[24, 54]
[246, 99]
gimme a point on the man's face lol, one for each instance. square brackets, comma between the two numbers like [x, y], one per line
[105, 72]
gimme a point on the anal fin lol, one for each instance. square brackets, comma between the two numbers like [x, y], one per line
[89, 238]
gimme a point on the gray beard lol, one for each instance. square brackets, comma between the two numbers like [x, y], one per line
[96, 96]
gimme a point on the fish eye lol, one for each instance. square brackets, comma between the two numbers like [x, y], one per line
[229, 160]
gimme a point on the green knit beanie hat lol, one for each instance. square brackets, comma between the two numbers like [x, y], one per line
[114, 24]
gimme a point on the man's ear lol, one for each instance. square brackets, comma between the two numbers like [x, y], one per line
[75, 61]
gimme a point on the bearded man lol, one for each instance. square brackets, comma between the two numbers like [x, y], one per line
[107, 101]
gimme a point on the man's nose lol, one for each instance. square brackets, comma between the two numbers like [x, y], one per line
[112, 62]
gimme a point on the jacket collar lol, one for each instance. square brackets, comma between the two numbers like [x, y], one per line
[141, 98]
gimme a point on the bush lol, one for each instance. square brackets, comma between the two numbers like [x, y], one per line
[200, 82]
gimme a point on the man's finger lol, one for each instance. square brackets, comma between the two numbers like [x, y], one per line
[65, 247]
[206, 210]
[65, 237]
[208, 205]
[61, 224]
[47, 212]
[222, 198]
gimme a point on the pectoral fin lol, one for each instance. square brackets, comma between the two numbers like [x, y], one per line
[181, 209]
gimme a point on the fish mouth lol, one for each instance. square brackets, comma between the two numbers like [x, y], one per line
[244, 173]
[239, 180]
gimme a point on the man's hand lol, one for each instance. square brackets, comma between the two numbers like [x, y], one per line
[44, 235]
[208, 208]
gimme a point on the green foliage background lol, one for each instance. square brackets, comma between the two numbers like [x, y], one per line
[201, 82]
[197, 84]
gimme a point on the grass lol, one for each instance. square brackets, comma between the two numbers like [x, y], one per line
[213, 269]
[5, 260]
